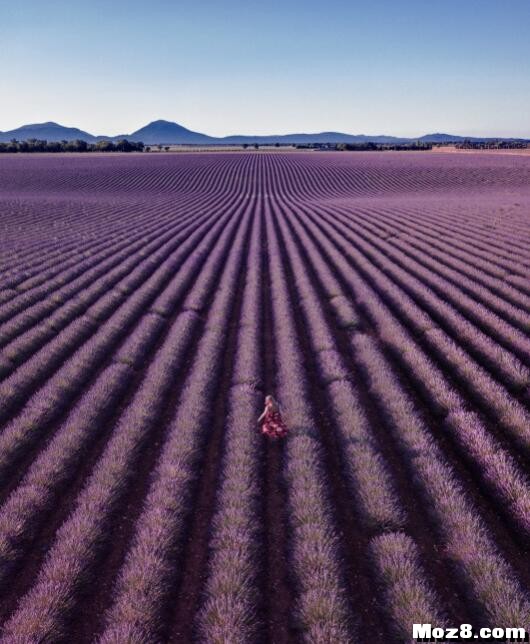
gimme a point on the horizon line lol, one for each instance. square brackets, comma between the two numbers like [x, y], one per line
[290, 133]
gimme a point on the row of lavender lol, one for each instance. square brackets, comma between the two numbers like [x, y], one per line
[169, 341]
[490, 578]
[356, 314]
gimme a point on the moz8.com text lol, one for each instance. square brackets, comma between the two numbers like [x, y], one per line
[430, 633]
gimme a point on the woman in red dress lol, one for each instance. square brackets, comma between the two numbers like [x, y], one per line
[273, 425]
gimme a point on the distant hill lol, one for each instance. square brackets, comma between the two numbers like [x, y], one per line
[453, 138]
[319, 137]
[48, 131]
[442, 138]
[167, 132]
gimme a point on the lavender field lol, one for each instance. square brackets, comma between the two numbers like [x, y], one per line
[148, 303]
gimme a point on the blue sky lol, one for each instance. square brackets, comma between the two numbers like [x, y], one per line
[402, 67]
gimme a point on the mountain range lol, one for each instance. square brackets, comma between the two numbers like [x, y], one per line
[167, 132]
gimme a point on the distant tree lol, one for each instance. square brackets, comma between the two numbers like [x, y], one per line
[159, 146]
[148, 148]
[77, 145]
[166, 148]
[276, 145]
[256, 146]
[105, 146]
[245, 146]
[124, 146]
[41, 145]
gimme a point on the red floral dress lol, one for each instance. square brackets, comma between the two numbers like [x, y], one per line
[273, 424]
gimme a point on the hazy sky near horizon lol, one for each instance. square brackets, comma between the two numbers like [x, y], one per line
[402, 67]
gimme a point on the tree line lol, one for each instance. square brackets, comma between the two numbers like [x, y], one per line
[414, 145]
[492, 145]
[38, 145]
[366, 147]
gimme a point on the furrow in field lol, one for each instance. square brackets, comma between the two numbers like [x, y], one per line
[353, 451]
[450, 297]
[82, 330]
[27, 331]
[321, 609]
[416, 227]
[492, 394]
[158, 295]
[71, 280]
[498, 470]
[76, 299]
[492, 293]
[145, 585]
[79, 539]
[134, 350]
[150, 302]
[231, 600]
